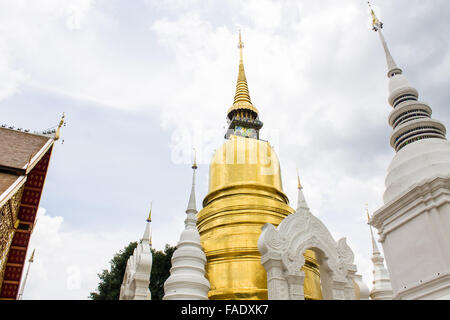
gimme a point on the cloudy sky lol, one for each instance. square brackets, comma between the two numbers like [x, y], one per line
[142, 82]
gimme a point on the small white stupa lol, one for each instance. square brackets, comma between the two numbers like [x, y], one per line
[136, 280]
[187, 276]
[382, 288]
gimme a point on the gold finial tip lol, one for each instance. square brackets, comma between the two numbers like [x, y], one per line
[194, 165]
[377, 24]
[149, 219]
[367, 212]
[299, 186]
[61, 123]
[32, 256]
[240, 44]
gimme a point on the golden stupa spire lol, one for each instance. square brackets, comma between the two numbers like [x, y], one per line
[242, 93]
[242, 96]
[240, 47]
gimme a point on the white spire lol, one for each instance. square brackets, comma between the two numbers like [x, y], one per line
[301, 201]
[382, 289]
[136, 279]
[187, 276]
[148, 231]
[391, 65]
[410, 119]
[191, 205]
[30, 261]
[374, 243]
[377, 26]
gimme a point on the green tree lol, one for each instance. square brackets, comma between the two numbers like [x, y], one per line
[111, 280]
[160, 271]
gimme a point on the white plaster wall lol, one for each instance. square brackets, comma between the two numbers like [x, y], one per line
[414, 163]
[415, 234]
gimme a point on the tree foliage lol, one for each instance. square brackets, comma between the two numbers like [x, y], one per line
[160, 271]
[111, 280]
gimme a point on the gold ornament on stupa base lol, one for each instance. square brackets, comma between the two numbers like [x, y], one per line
[245, 192]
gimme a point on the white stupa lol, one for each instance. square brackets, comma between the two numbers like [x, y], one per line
[187, 276]
[382, 289]
[136, 280]
[414, 223]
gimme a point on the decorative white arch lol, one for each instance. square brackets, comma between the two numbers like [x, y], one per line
[137, 274]
[282, 256]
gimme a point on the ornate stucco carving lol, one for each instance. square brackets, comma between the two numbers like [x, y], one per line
[283, 249]
[8, 219]
[136, 280]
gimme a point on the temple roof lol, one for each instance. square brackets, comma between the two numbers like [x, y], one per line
[17, 147]
[24, 160]
[6, 180]
[20, 151]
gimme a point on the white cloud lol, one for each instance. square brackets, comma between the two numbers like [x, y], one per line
[56, 44]
[76, 11]
[9, 78]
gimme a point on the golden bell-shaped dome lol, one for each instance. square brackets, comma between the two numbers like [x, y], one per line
[245, 192]
[245, 163]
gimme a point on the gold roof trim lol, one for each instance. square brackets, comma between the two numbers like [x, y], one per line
[61, 123]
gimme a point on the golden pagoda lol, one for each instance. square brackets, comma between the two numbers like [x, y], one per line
[245, 192]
